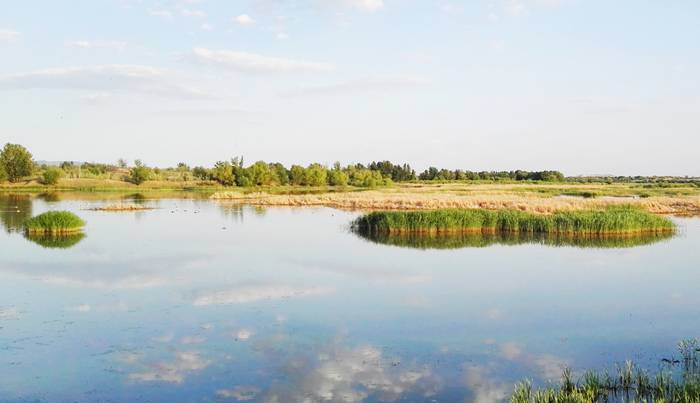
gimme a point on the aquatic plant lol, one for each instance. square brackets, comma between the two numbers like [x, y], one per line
[631, 384]
[54, 222]
[611, 220]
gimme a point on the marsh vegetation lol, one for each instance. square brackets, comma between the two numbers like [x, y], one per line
[613, 220]
[54, 223]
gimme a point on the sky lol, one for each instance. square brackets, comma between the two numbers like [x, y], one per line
[583, 86]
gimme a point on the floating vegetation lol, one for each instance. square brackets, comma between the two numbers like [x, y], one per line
[677, 380]
[54, 223]
[51, 241]
[122, 207]
[485, 239]
[614, 220]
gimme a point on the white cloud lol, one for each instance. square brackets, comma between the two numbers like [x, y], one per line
[355, 375]
[244, 19]
[175, 371]
[368, 84]
[253, 63]
[186, 12]
[207, 27]
[8, 36]
[9, 313]
[240, 393]
[282, 36]
[161, 14]
[108, 45]
[113, 78]
[365, 5]
[248, 294]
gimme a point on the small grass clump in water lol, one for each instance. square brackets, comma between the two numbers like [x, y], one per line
[611, 220]
[55, 223]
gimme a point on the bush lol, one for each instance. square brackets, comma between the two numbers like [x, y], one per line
[139, 174]
[337, 178]
[51, 176]
[223, 173]
[16, 161]
[316, 175]
[3, 174]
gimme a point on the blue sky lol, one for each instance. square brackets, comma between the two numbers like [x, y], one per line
[584, 86]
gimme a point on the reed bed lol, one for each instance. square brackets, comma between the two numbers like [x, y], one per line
[54, 223]
[677, 381]
[617, 220]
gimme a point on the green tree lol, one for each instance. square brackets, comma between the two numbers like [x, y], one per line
[139, 173]
[297, 175]
[260, 173]
[336, 177]
[316, 175]
[223, 173]
[3, 174]
[51, 176]
[16, 161]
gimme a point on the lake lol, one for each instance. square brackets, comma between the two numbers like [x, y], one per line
[203, 301]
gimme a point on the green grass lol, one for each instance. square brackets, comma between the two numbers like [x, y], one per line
[54, 222]
[482, 240]
[676, 380]
[612, 220]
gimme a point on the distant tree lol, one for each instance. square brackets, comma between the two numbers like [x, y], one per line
[297, 175]
[121, 163]
[182, 167]
[336, 177]
[260, 174]
[223, 173]
[51, 176]
[200, 173]
[316, 175]
[281, 174]
[140, 173]
[16, 161]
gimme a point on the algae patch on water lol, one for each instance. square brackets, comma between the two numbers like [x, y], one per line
[54, 223]
[617, 220]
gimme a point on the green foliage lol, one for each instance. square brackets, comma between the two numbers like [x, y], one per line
[297, 175]
[3, 174]
[223, 173]
[612, 220]
[336, 177]
[54, 222]
[316, 175]
[51, 176]
[140, 173]
[16, 162]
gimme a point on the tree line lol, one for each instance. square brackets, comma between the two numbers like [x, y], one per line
[16, 163]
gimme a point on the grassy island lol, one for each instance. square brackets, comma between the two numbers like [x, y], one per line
[54, 223]
[616, 220]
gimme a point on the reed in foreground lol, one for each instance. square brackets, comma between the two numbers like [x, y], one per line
[610, 220]
[55, 223]
[677, 380]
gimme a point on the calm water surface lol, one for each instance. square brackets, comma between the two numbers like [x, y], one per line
[199, 301]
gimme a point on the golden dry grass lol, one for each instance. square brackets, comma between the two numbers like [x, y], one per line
[122, 207]
[490, 197]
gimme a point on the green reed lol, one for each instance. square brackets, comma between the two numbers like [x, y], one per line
[611, 220]
[54, 222]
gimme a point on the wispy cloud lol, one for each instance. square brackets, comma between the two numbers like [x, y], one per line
[186, 12]
[165, 14]
[8, 36]
[365, 5]
[107, 45]
[111, 78]
[175, 371]
[254, 293]
[253, 63]
[367, 84]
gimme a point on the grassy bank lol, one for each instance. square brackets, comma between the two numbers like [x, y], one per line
[612, 220]
[54, 223]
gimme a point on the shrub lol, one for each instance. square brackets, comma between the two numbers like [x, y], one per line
[16, 161]
[139, 174]
[316, 175]
[51, 176]
[337, 178]
[223, 173]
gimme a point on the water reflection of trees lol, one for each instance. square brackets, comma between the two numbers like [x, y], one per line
[481, 240]
[14, 210]
[55, 241]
